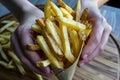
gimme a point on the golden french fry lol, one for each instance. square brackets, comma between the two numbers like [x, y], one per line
[82, 35]
[84, 14]
[36, 28]
[66, 13]
[21, 69]
[6, 26]
[38, 76]
[3, 54]
[75, 41]
[88, 31]
[67, 51]
[54, 47]
[14, 57]
[11, 29]
[41, 41]
[10, 62]
[6, 65]
[40, 21]
[78, 10]
[6, 45]
[47, 9]
[71, 23]
[7, 37]
[50, 27]
[5, 21]
[52, 12]
[43, 63]
[62, 4]
[33, 47]
[56, 10]
[1, 40]
[57, 30]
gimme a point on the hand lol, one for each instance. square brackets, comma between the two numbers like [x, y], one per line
[99, 35]
[23, 36]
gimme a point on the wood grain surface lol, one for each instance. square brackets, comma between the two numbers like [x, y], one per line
[103, 67]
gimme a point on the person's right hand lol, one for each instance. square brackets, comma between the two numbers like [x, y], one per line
[23, 36]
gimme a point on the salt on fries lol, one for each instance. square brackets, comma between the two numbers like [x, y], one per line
[61, 36]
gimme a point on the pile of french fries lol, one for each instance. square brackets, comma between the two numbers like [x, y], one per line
[7, 58]
[60, 34]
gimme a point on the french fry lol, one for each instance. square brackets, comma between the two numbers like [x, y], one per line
[1, 40]
[71, 23]
[33, 47]
[67, 51]
[75, 41]
[41, 41]
[21, 69]
[7, 37]
[5, 21]
[84, 14]
[50, 27]
[66, 13]
[14, 57]
[6, 45]
[6, 33]
[58, 30]
[43, 63]
[38, 76]
[47, 9]
[56, 10]
[62, 4]
[88, 28]
[78, 10]
[54, 46]
[18, 63]
[36, 28]
[6, 26]
[40, 22]
[56, 50]
[82, 35]
[6, 65]
[11, 29]
[10, 62]
[3, 54]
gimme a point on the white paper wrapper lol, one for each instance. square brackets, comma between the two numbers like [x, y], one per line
[67, 74]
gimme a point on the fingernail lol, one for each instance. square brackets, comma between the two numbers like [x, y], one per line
[85, 56]
[82, 64]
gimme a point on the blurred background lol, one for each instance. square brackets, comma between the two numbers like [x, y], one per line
[111, 11]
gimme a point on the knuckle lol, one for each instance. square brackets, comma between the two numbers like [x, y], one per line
[109, 28]
[101, 19]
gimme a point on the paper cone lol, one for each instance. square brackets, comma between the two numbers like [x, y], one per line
[67, 74]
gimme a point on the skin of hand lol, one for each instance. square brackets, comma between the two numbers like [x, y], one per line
[99, 34]
[26, 14]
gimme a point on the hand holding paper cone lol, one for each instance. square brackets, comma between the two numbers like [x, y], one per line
[61, 36]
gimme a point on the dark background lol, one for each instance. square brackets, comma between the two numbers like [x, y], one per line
[115, 3]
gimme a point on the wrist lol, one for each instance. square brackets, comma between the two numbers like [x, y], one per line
[19, 8]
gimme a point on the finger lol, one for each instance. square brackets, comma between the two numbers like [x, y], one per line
[94, 39]
[102, 44]
[33, 56]
[16, 48]
[99, 48]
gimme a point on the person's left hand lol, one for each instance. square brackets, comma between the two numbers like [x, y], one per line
[99, 35]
